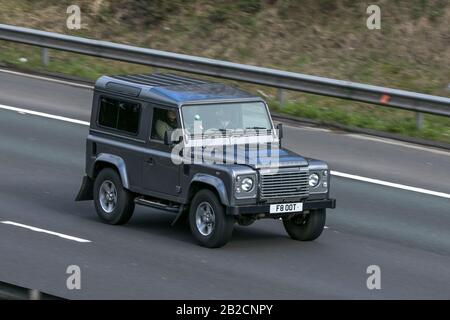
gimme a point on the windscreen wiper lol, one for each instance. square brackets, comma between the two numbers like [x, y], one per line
[256, 128]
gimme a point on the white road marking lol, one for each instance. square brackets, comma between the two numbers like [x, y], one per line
[307, 128]
[398, 143]
[32, 76]
[44, 115]
[61, 235]
[376, 139]
[335, 173]
[390, 184]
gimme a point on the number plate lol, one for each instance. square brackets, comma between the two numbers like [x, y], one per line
[286, 207]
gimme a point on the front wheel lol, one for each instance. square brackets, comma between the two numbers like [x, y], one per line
[209, 224]
[306, 227]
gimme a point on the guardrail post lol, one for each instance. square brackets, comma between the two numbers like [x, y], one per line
[419, 120]
[280, 97]
[44, 57]
[35, 294]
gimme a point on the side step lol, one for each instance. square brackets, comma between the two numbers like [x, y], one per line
[155, 204]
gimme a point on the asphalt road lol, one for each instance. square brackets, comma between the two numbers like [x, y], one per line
[405, 233]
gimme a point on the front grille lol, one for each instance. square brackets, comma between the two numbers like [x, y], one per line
[284, 183]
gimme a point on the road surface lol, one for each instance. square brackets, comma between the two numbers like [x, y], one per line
[404, 232]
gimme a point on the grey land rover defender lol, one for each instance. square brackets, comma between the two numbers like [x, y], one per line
[205, 151]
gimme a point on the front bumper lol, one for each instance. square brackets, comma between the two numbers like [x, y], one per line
[265, 208]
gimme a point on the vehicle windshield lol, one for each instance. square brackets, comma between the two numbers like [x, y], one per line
[227, 118]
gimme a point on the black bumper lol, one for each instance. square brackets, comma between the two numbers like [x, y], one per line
[265, 208]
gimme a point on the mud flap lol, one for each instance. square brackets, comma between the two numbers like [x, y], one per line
[181, 212]
[86, 191]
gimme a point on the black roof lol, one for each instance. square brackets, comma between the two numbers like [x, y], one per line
[171, 88]
[159, 79]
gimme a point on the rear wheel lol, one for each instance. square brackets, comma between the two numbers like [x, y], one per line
[306, 227]
[113, 203]
[209, 224]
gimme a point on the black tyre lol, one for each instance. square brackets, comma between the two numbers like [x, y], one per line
[114, 204]
[210, 226]
[306, 227]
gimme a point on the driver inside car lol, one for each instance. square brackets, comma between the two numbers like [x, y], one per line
[169, 123]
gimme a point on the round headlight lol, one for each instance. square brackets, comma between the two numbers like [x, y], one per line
[313, 180]
[247, 184]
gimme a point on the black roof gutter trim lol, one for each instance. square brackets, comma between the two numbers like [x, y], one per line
[123, 89]
[220, 101]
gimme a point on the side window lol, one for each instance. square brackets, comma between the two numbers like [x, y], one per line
[163, 120]
[119, 115]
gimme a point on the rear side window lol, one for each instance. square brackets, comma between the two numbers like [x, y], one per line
[119, 115]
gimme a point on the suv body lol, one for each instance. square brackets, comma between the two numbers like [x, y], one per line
[129, 161]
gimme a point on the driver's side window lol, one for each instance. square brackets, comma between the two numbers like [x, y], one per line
[163, 120]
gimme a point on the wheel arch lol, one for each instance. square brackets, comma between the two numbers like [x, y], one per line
[105, 160]
[205, 181]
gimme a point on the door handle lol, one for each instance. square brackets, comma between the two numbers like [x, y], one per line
[149, 161]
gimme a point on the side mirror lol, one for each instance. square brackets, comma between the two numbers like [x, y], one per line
[280, 130]
[170, 138]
